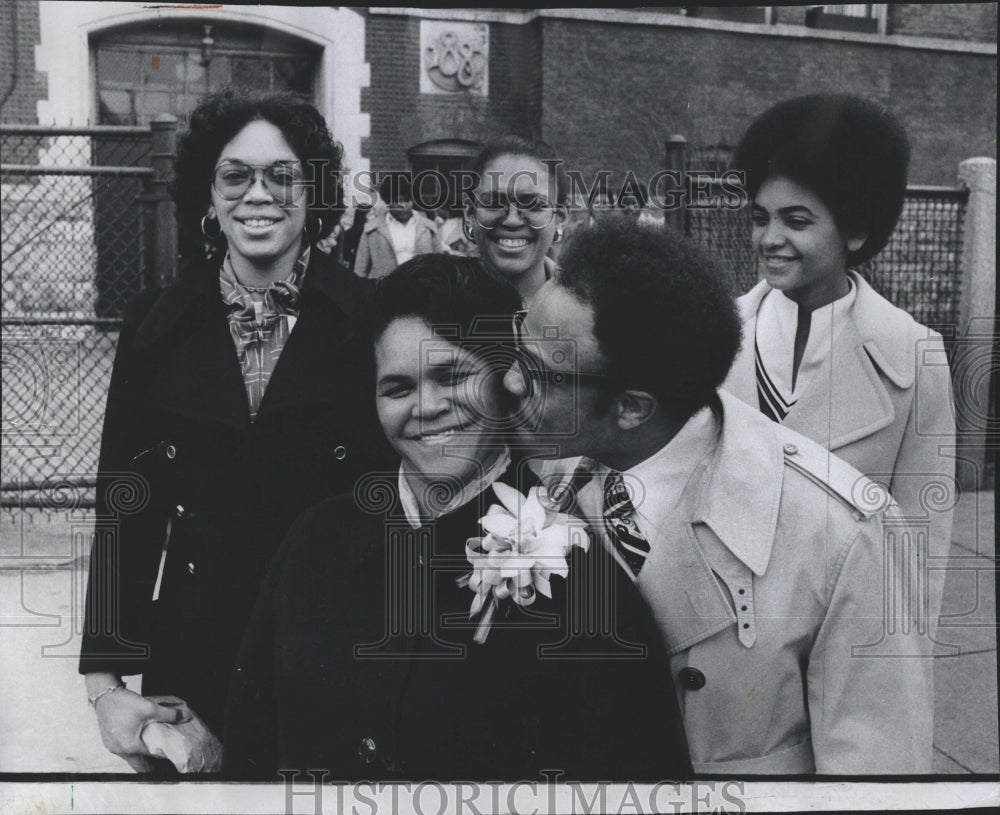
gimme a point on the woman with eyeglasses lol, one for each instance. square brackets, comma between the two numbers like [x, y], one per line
[366, 656]
[518, 210]
[234, 404]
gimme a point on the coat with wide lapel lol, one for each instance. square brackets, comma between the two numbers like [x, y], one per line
[762, 582]
[215, 493]
[359, 659]
[883, 403]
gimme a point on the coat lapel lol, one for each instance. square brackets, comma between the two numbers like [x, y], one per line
[185, 343]
[321, 354]
[846, 400]
[739, 505]
[742, 378]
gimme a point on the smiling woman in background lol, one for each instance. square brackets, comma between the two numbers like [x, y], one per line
[231, 408]
[823, 353]
[518, 210]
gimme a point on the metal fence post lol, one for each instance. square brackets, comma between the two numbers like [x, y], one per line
[675, 162]
[976, 362]
[163, 240]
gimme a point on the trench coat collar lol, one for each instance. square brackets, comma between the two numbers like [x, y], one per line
[738, 501]
[203, 379]
[868, 347]
[740, 490]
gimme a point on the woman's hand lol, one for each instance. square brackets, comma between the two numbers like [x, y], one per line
[121, 716]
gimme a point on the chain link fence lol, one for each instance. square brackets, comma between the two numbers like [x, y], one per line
[84, 228]
[74, 252]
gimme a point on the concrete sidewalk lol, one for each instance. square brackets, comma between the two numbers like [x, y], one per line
[47, 725]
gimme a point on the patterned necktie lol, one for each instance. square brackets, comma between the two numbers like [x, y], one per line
[618, 517]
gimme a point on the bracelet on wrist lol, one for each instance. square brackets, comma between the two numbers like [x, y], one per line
[107, 690]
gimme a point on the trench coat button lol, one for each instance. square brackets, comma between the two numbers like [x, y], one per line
[190, 568]
[366, 750]
[340, 452]
[692, 678]
[790, 449]
[171, 452]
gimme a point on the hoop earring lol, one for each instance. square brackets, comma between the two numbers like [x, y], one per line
[205, 232]
[311, 234]
[467, 231]
[559, 234]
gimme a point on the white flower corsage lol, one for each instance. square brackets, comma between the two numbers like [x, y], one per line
[526, 543]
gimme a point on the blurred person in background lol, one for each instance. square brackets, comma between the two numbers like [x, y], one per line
[392, 239]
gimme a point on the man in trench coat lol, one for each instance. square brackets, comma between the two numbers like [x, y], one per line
[782, 579]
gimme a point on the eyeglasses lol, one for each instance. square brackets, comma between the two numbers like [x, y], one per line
[532, 369]
[283, 180]
[492, 210]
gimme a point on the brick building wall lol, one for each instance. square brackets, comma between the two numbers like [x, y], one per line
[963, 21]
[613, 92]
[21, 86]
[401, 117]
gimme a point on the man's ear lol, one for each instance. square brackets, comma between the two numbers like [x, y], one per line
[634, 408]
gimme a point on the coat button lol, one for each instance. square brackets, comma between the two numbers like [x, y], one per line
[190, 568]
[340, 452]
[171, 452]
[790, 449]
[366, 750]
[692, 678]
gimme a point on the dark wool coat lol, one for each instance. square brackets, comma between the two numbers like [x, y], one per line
[359, 660]
[186, 478]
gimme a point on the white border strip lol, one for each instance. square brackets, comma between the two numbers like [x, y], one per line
[626, 16]
[433, 798]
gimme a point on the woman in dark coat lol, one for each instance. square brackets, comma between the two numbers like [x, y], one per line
[234, 404]
[368, 654]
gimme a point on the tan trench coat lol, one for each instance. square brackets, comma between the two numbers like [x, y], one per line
[778, 585]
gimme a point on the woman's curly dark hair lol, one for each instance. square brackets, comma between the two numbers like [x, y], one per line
[216, 121]
[852, 152]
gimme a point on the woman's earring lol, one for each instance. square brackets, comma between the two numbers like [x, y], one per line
[559, 234]
[467, 231]
[313, 234]
[210, 219]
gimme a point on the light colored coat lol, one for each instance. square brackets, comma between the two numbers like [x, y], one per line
[883, 403]
[376, 257]
[776, 579]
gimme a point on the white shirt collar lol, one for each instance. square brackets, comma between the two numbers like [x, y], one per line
[659, 481]
[411, 507]
[404, 236]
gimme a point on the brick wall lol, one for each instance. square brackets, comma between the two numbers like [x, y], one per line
[965, 21]
[613, 92]
[401, 117]
[18, 37]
